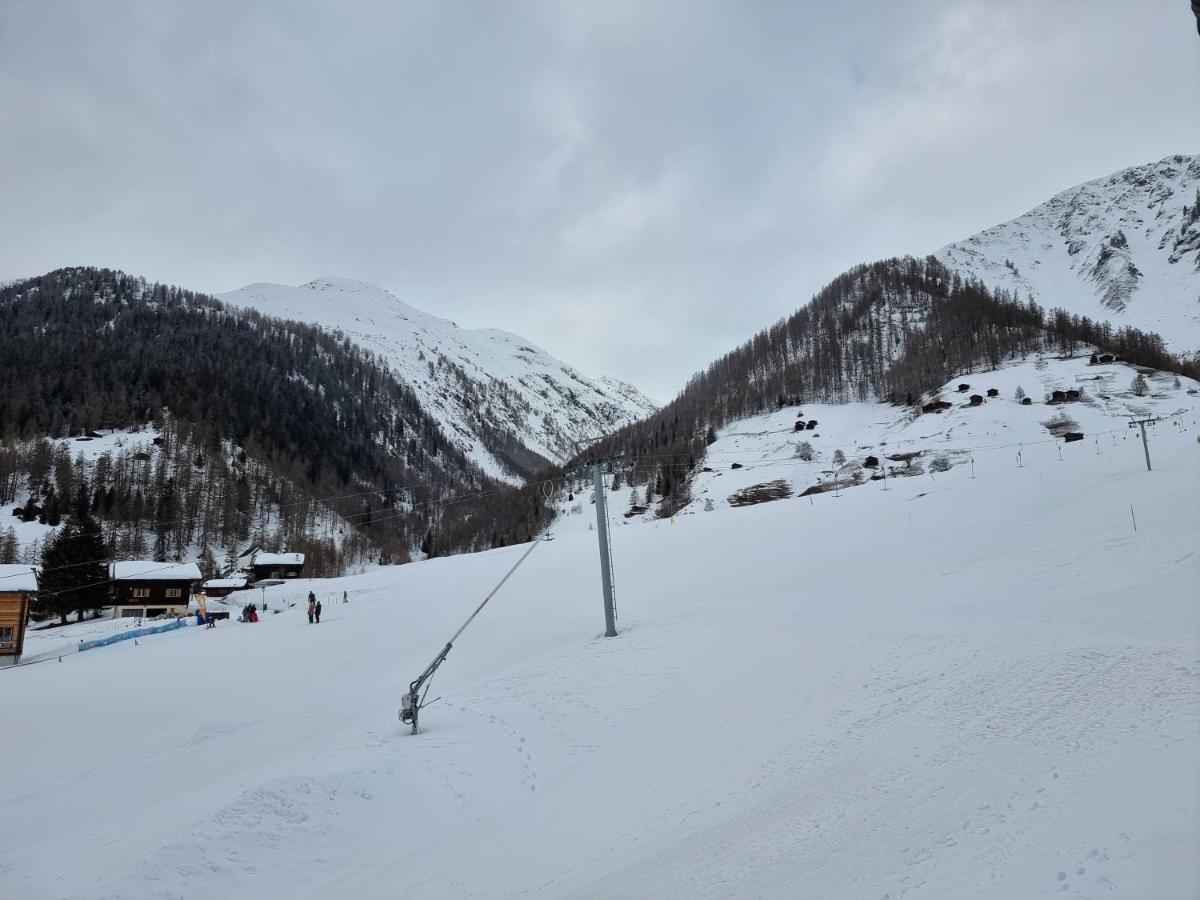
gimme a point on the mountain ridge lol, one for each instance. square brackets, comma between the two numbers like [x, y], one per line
[506, 403]
[1124, 247]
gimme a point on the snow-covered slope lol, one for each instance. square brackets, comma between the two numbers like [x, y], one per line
[498, 397]
[762, 457]
[1125, 248]
[982, 683]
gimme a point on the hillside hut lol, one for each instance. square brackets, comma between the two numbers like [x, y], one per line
[223, 587]
[935, 406]
[1073, 394]
[1103, 358]
[145, 588]
[993, 392]
[1071, 436]
[871, 462]
[1027, 401]
[812, 423]
[276, 565]
[1057, 396]
[18, 587]
[976, 400]
[963, 388]
[800, 426]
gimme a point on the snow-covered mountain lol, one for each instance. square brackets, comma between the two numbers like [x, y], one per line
[1125, 248]
[507, 404]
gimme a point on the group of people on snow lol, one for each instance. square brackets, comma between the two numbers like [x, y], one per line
[314, 609]
[249, 613]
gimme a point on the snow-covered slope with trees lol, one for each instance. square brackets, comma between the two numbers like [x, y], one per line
[507, 404]
[983, 682]
[1123, 248]
[776, 456]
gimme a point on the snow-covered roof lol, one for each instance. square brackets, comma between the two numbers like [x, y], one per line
[150, 570]
[17, 578]
[278, 559]
[225, 583]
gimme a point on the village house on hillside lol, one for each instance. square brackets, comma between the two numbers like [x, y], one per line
[223, 587]
[265, 565]
[144, 588]
[18, 587]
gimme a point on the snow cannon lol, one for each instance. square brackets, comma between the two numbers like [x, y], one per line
[408, 709]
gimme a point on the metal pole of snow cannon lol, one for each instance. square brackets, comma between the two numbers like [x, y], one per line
[411, 703]
[610, 624]
[1142, 423]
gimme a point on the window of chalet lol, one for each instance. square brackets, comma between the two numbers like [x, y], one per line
[141, 592]
[6, 638]
[174, 592]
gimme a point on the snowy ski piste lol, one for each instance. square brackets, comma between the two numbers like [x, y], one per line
[961, 686]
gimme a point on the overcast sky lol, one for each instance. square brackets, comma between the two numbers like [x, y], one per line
[638, 187]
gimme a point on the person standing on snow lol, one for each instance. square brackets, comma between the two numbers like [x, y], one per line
[312, 607]
[318, 610]
[345, 599]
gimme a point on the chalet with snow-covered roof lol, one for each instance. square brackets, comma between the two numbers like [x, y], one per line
[18, 587]
[223, 587]
[276, 565]
[144, 588]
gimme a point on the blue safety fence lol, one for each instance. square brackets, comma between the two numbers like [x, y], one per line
[136, 632]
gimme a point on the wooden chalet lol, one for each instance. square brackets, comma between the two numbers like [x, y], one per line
[18, 587]
[223, 587]
[265, 565]
[144, 588]
[935, 406]
[993, 392]
[976, 400]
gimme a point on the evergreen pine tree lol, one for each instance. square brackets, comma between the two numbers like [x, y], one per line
[74, 570]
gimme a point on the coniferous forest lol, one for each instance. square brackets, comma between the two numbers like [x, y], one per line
[889, 331]
[242, 430]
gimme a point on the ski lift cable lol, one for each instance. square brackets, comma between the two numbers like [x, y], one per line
[413, 703]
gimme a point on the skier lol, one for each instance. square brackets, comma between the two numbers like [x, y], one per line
[318, 612]
[312, 607]
[345, 599]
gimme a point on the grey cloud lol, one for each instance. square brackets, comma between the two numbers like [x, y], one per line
[635, 186]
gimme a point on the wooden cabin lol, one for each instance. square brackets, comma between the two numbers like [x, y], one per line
[976, 400]
[800, 426]
[1027, 401]
[935, 406]
[18, 587]
[1103, 358]
[276, 565]
[963, 388]
[812, 423]
[993, 392]
[144, 588]
[223, 587]
[871, 462]
[1072, 436]
[1057, 396]
[1073, 394]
